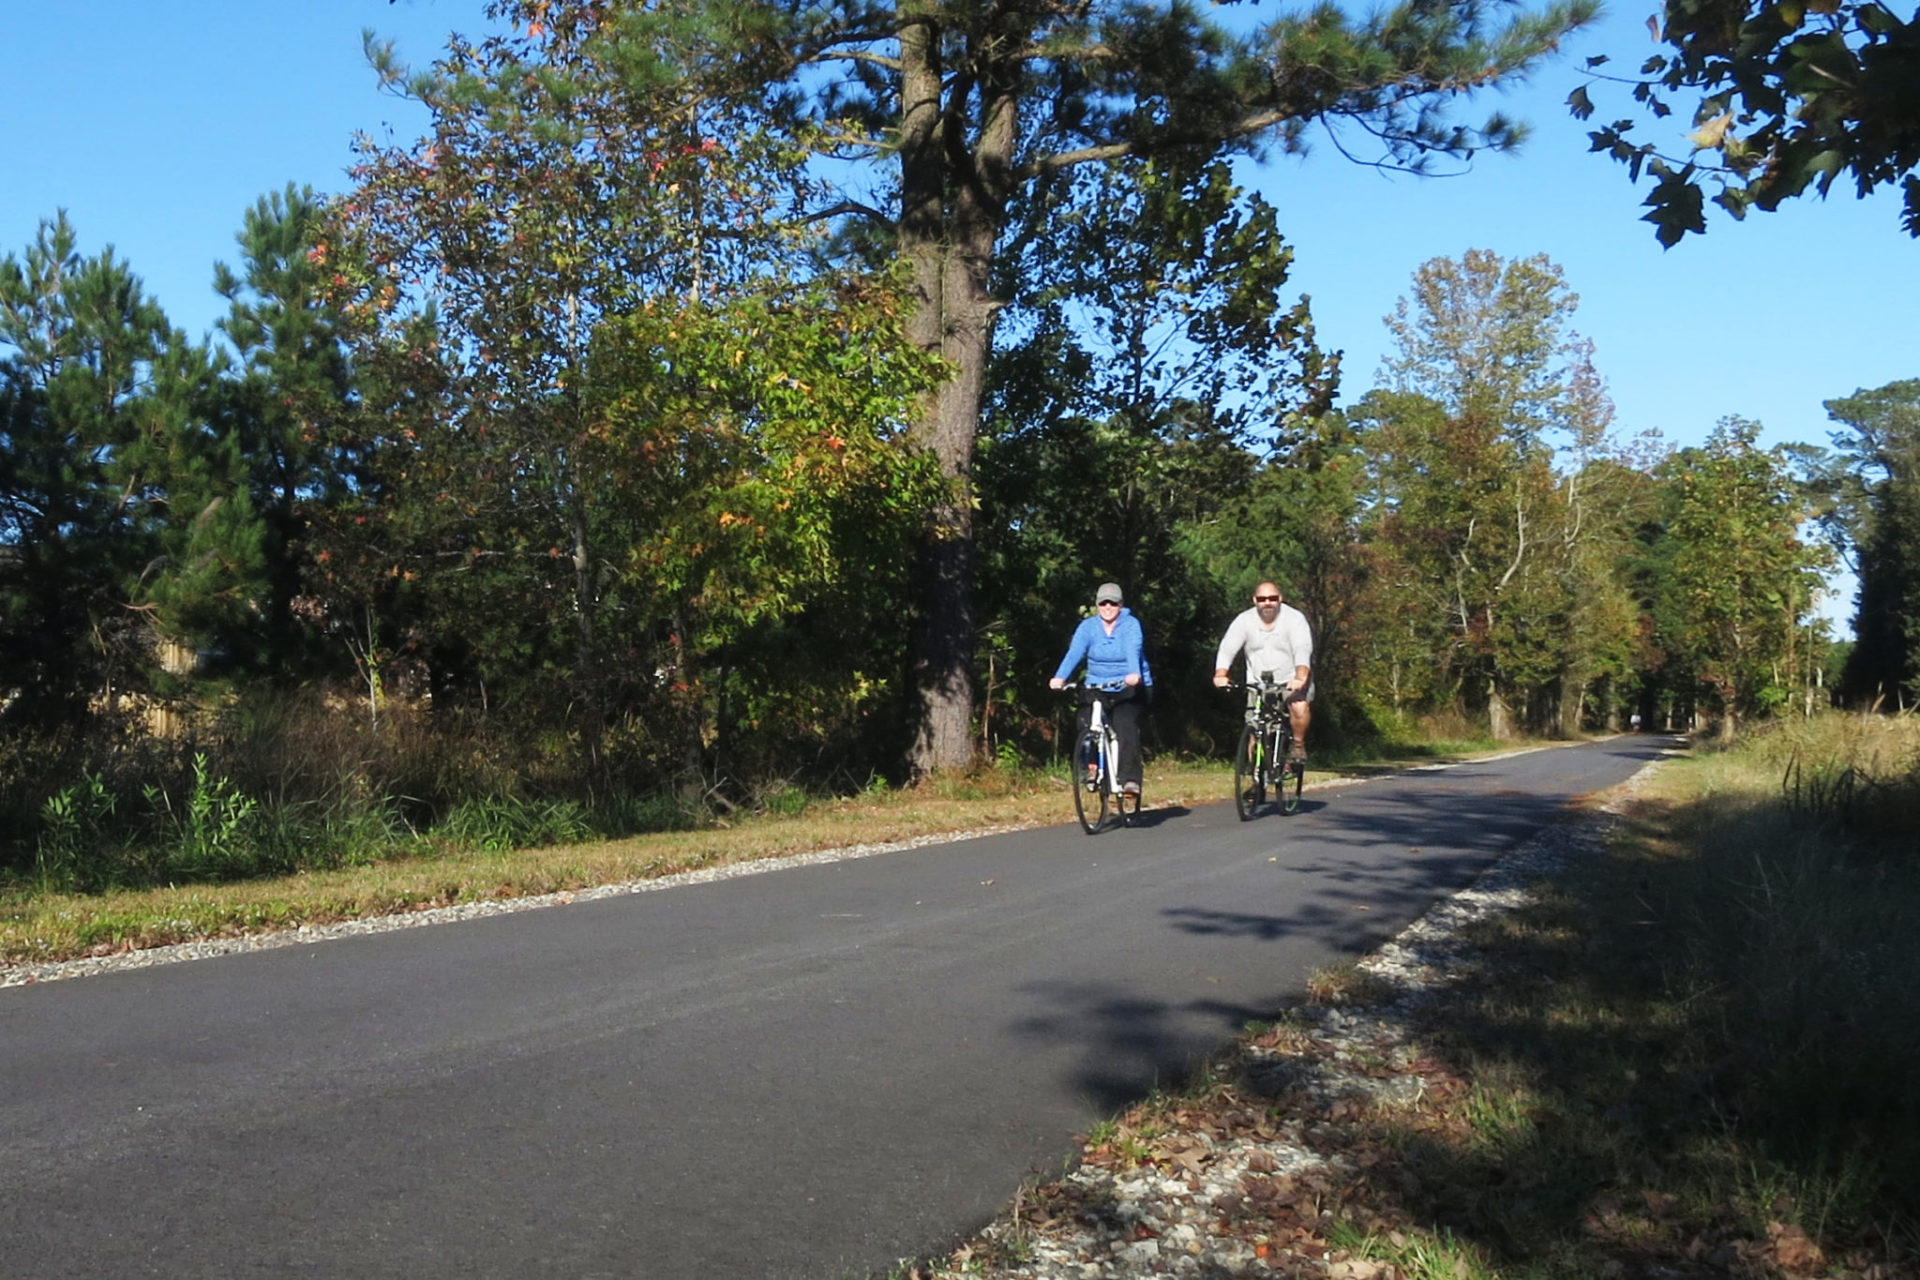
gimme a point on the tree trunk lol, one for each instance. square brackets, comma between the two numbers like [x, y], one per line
[952, 205]
[684, 696]
[1573, 697]
[586, 660]
[1499, 719]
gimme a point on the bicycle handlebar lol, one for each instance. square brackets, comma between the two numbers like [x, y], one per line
[1115, 686]
[1267, 687]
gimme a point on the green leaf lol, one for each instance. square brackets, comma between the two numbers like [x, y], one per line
[1675, 207]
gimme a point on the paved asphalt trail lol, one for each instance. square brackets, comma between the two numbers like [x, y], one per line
[812, 1072]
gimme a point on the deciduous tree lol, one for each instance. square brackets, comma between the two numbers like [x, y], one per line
[1480, 371]
[1784, 98]
[1741, 581]
[629, 351]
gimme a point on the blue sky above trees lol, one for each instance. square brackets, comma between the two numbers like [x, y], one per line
[159, 125]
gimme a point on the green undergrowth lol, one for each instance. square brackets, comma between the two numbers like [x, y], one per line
[191, 885]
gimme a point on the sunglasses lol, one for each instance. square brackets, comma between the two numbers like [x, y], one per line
[1104, 603]
[1266, 599]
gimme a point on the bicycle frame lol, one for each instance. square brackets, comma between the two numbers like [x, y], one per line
[1108, 742]
[1263, 759]
[1099, 745]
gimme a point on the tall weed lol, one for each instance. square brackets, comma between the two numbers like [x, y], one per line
[75, 831]
[1866, 784]
[211, 828]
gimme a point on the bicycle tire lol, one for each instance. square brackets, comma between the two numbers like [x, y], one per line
[1248, 793]
[1293, 775]
[1089, 795]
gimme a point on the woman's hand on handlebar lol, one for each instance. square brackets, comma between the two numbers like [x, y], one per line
[1056, 683]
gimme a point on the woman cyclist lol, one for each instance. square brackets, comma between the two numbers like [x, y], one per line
[1113, 646]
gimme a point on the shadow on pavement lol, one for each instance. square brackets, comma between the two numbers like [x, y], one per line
[1149, 818]
[1350, 863]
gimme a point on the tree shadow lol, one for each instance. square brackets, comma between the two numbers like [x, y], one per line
[1355, 856]
[1129, 1045]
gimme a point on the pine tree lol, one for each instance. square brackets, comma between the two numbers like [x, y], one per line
[1882, 452]
[291, 405]
[124, 505]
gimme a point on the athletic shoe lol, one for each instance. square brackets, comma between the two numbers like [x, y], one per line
[1131, 788]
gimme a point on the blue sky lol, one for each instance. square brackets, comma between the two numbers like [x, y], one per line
[157, 123]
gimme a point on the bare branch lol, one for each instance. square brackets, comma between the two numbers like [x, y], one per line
[868, 212]
[859, 55]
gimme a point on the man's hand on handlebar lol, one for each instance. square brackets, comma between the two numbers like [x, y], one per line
[1289, 689]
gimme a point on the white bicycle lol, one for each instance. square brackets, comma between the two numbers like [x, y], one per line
[1096, 764]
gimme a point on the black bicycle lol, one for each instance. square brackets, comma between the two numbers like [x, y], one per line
[1263, 762]
[1096, 763]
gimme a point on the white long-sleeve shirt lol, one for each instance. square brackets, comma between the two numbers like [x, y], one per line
[1271, 651]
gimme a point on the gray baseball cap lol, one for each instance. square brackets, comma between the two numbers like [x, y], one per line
[1109, 591]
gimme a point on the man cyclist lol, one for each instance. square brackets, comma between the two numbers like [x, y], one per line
[1278, 646]
[1113, 646]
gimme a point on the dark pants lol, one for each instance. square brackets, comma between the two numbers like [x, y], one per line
[1124, 709]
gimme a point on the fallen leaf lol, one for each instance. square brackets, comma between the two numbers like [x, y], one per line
[1793, 1250]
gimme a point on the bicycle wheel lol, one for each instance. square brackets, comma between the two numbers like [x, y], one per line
[1127, 805]
[1248, 793]
[1292, 777]
[1089, 797]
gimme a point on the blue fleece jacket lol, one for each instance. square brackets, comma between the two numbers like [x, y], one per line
[1110, 658]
